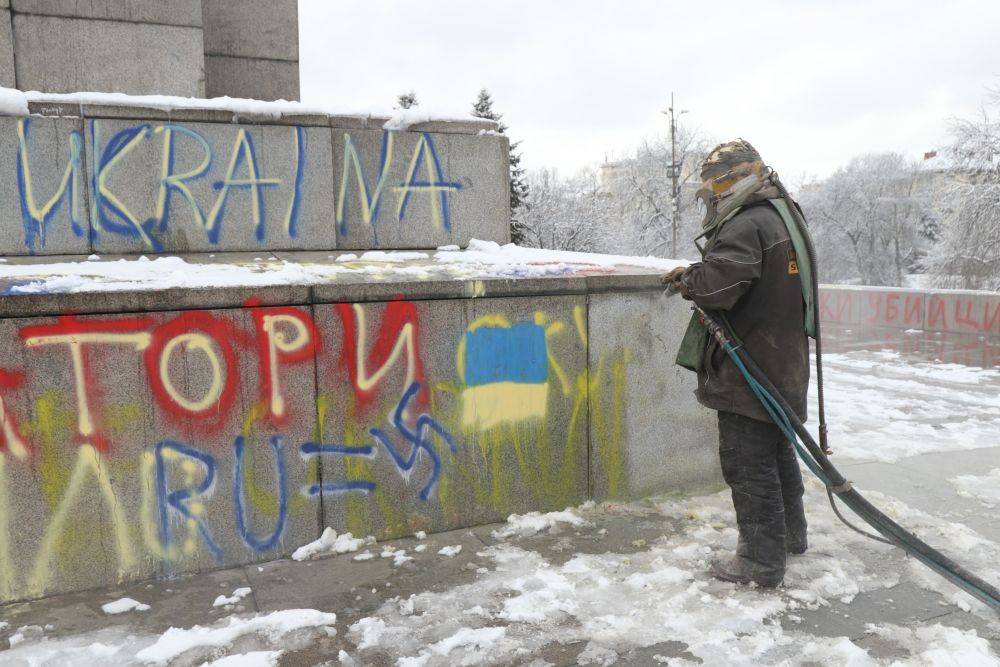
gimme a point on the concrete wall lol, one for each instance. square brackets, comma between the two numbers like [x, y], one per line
[153, 443]
[191, 48]
[251, 48]
[953, 326]
[79, 181]
[7, 78]
[128, 46]
[944, 311]
[647, 432]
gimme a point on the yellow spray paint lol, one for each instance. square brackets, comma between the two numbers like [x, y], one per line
[51, 427]
[432, 186]
[71, 176]
[405, 343]
[352, 162]
[242, 152]
[11, 438]
[149, 511]
[177, 182]
[475, 289]
[277, 341]
[198, 342]
[610, 438]
[89, 464]
[75, 341]
[102, 181]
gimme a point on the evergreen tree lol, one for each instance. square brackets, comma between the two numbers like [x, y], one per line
[483, 108]
[407, 100]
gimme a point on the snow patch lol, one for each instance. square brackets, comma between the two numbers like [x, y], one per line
[251, 659]
[330, 542]
[398, 555]
[525, 525]
[985, 489]
[237, 595]
[123, 605]
[276, 625]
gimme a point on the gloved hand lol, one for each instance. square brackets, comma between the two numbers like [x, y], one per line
[673, 280]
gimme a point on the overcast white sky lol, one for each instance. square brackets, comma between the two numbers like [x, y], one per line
[810, 83]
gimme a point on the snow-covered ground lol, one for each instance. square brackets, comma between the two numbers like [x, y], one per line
[655, 594]
[883, 406]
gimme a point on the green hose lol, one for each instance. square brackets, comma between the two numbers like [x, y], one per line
[816, 460]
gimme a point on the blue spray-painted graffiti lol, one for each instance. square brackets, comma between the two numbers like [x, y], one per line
[418, 439]
[268, 543]
[311, 449]
[179, 500]
[171, 182]
[242, 152]
[243, 172]
[435, 185]
[518, 354]
[181, 161]
[36, 218]
[188, 502]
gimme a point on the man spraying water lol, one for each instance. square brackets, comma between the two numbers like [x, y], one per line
[750, 274]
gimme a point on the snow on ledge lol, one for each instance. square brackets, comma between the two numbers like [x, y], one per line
[15, 103]
[482, 260]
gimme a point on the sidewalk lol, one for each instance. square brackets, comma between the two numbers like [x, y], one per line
[613, 584]
[627, 587]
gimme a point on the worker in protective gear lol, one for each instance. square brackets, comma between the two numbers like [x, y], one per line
[749, 274]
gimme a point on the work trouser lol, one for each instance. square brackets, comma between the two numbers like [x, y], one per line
[759, 465]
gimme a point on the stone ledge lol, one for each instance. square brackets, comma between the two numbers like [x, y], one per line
[143, 301]
[139, 111]
[186, 13]
[365, 284]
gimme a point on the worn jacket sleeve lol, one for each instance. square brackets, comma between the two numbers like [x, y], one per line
[729, 268]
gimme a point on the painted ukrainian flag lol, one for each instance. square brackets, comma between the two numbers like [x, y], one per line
[506, 374]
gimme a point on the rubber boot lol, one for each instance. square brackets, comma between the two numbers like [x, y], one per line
[739, 571]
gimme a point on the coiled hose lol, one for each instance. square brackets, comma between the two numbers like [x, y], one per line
[817, 461]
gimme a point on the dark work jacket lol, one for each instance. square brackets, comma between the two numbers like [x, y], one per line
[750, 275]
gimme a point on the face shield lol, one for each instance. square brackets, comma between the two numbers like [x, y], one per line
[714, 203]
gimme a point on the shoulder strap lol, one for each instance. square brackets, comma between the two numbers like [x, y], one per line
[804, 264]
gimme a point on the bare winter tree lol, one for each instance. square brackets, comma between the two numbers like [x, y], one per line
[646, 189]
[866, 220]
[569, 214]
[967, 254]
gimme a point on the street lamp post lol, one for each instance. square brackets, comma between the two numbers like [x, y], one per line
[674, 194]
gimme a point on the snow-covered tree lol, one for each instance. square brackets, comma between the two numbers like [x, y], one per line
[644, 183]
[483, 108]
[569, 214]
[407, 100]
[866, 220]
[967, 254]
